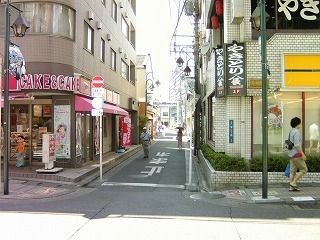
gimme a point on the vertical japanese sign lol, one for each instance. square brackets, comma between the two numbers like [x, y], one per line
[62, 128]
[235, 70]
[125, 131]
[79, 134]
[231, 130]
[220, 82]
[96, 135]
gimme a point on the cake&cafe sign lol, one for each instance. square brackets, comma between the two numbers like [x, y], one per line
[49, 82]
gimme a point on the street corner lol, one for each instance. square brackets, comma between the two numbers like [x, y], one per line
[24, 190]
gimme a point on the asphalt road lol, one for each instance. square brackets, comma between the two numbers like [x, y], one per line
[145, 199]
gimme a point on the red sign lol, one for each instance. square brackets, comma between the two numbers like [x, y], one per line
[97, 82]
[125, 131]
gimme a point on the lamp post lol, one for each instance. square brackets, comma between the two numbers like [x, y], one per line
[258, 19]
[19, 28]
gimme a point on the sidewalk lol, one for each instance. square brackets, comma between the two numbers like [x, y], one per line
[25, 183]
[277, 193]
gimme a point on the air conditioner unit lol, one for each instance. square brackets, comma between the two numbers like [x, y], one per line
[99, 25]
[109, 37]
[121, 4]
[125, 56]
[120, 50]
[90, 15]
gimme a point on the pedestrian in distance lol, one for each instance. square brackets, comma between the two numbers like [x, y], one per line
[179, 138]
[19, 151]
[146, 141]
[296, 155]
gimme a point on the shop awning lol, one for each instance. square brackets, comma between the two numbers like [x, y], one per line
[108, 108]
[83, 104]
[13, 96]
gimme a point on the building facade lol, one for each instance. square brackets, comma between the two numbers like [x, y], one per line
[232, 88]
[69, 43]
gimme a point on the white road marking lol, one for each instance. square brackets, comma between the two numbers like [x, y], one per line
[153, 170]
[158, 161]
[154, 185]
[162, 154]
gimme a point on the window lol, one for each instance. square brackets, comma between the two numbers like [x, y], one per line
[125, 27]
[165, 114]
[124, 70]
[289, 14]
[48, 18]
[102, 50]
[114, 11]
[88, 37]
[133, 36]
[113, 60]
[132, 73]
[103, 2]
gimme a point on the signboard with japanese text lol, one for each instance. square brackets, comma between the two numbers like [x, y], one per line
[220, 82]
[235, 70]
[125, 131]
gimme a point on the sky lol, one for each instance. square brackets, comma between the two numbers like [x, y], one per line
[156, 22]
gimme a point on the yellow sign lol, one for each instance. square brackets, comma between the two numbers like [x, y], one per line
[302, 70]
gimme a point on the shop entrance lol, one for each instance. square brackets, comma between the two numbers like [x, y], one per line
[31, 119]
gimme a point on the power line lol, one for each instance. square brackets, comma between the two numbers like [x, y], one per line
[175, 30]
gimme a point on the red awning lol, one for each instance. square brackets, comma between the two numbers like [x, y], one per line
[83, 104]
[13, 96]
[108, 108]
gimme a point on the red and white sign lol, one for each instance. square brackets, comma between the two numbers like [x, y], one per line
[97, 82]
[125, 131]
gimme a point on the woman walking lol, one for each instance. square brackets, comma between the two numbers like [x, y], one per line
[296, 155]
[179, 138]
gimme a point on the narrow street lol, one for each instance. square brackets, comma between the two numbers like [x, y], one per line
[146, 199]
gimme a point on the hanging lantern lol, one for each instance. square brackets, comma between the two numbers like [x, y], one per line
[219, 7]
[215, 21]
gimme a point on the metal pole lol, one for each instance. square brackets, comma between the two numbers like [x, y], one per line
[1, 129]
[100, 131]
[264, 100]
[196, 142]
[6, 149]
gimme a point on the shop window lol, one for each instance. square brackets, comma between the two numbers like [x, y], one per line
[113, 60]
[282, 107]
[124, 70]
[88, 37]
[312, 123]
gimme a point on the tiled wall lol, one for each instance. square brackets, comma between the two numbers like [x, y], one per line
[230, 107]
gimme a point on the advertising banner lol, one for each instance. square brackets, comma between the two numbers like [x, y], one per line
[62, 128]
[125, 131]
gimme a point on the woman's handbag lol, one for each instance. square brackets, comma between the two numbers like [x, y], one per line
[288, 144]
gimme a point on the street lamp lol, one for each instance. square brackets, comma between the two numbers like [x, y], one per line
[259, 18]
[19, 28]
[150, 86]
